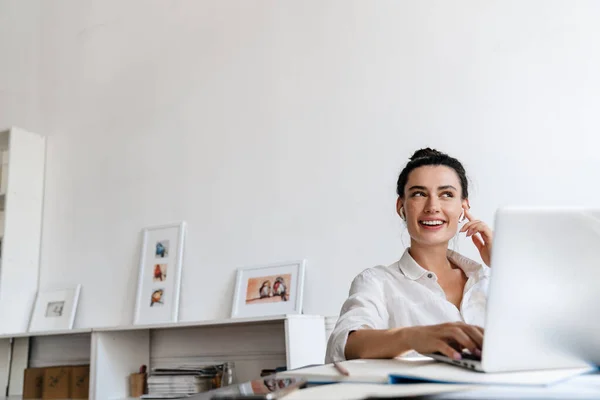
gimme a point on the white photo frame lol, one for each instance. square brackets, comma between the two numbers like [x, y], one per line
[159, 278]
[54, 309]
[258, 290]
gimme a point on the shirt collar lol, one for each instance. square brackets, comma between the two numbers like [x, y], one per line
[412, 270]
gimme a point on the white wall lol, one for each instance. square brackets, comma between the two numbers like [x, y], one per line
[277, 129]
[20, 29]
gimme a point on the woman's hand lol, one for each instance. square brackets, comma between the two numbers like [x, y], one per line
[447, 338]
[483, 243]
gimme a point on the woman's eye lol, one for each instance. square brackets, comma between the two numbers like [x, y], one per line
[447, 194]
[418, 194]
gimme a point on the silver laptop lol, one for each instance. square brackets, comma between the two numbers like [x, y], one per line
[543, 309]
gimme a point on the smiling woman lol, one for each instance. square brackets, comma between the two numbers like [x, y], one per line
[432, 299]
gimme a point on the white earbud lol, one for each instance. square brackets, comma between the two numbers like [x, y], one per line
[402, 214]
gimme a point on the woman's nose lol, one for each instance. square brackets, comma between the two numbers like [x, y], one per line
[432, 205]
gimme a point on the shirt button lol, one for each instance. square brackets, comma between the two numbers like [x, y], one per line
[430, 275]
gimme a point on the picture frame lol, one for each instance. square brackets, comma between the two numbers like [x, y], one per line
[273, 289]
[54, 309]
[159, 275]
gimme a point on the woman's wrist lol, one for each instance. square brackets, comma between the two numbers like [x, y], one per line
[403, 340]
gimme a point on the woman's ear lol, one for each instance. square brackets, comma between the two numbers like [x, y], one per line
[465, 204]
[399, 206]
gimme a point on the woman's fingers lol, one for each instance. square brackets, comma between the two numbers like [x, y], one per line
[459, 335]
[475, 333]
[478, 242]
[474, 226]
[478, 227]
[468, 214]
[481, 228]
[470, 225]
[447, 350]
[467, 226]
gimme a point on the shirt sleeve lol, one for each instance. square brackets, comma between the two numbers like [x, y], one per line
[364, 308]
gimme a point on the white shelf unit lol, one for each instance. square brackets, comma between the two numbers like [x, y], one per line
[22, 168]
[253, 344]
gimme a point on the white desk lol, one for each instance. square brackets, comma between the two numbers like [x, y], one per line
[582, 387]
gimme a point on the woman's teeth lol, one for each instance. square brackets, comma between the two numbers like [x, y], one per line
[432, 223]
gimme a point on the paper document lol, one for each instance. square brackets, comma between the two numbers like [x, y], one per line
[356, 391]
[372, 371]
[428, 370]
[585, 387]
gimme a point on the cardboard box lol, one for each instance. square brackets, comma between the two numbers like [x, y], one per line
[61, 382]
[80, 382]
[33, 383]
[57, 383]
[137, 384]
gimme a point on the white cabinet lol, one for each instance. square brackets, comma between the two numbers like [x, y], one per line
[21, 201]
[253, 344]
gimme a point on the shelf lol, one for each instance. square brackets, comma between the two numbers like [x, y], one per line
[207, 323]
[44, 333]
[114, 352]
[174, 325]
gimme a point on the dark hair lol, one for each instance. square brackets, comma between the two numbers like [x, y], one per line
[432, 157]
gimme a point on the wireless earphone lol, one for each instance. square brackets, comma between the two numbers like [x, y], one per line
[402, 214]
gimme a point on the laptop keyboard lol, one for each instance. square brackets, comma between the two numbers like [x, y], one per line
[469, 356]
[465, 356]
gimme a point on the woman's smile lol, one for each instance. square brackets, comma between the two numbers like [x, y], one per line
[432, 224]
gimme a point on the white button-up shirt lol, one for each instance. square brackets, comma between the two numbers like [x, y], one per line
[405, 294]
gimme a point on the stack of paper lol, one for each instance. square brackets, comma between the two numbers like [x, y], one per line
[427, 370]
[585, 387]
[359, 391]
[181, 381]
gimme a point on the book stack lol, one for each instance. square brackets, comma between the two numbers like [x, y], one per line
[182, 381]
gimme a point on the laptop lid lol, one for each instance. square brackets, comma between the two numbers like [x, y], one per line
[544, 293]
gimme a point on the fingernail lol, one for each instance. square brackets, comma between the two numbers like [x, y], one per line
[477, 352]
[457, 356]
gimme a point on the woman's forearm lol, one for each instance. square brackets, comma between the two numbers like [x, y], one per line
[376, 343]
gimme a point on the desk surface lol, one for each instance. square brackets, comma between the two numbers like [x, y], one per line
[582, 387]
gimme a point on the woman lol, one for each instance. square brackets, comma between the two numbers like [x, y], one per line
[432, 299]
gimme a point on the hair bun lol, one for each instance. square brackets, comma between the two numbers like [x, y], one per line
[427, 152]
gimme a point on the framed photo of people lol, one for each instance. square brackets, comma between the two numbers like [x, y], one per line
[159, 279]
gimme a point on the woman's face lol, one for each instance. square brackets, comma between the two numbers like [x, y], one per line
[432, 204]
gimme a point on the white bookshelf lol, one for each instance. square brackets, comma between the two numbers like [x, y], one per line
[113, 353]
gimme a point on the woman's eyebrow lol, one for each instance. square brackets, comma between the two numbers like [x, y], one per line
[417, 188]
[445, 187]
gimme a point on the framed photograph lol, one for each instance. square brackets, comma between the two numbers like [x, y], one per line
[159, 277]
[269, 290]
[54, 309]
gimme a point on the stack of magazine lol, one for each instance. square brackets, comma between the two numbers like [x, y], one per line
[182, 381]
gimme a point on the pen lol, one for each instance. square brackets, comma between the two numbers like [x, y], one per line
[341, 369]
